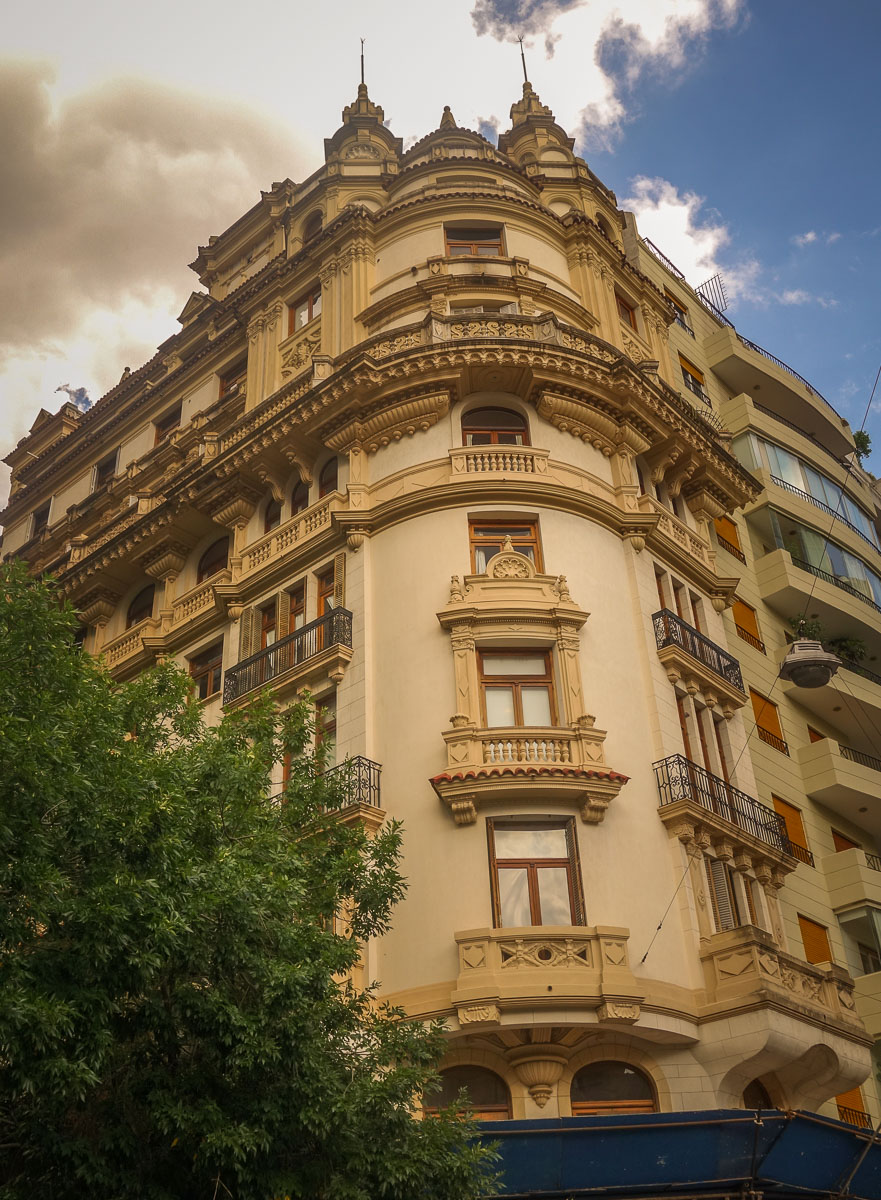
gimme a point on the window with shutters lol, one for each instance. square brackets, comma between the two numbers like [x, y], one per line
[325, 583]
[206, 669]
[851, 1108]
[723, 897]
[815, 735]
[768, 725]
[534, 873]
[693, 379]
[325, 724]
[842, 842]
[297, 603]
[795, 829]
[728, 537]
[746, 625]
[815, 939]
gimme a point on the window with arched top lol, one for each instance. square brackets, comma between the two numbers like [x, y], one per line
[312, 227]
[494, 427]
[299, 497]
[271, 515]
[327, 480]
[755, 1095]
[486, 1093]
[215, 558]
[611, 1087]
[141, 607]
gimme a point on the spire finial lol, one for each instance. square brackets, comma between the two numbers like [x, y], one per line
[523, 59]
[362, 61]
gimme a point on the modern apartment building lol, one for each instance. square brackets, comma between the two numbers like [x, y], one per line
[444, 441]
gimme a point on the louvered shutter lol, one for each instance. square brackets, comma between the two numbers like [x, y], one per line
[840, 842]
[726, 529]
[283, 615]
[249, 623]
[339, 581]
[723, 901]
[815, 940]
[792, 819]
[575, 875]
[852, 1099]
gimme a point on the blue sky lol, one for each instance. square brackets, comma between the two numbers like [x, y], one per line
[742, 132]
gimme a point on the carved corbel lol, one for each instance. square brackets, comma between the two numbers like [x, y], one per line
[538, 1069]
[464, 810]
[98, 605]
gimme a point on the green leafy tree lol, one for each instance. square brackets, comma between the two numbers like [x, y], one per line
[172, 1021]
[862, 444]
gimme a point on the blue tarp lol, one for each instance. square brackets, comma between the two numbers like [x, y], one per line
[680, 1154]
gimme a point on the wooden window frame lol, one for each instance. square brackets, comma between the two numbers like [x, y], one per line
[681, 311]
[693, 378]
[301, 489]
[268, 624]
[40, 518]
[532, 865]
[532, 540]
[476, 243]
[105, 469]
[208, 566]
[326, 484]
[626, 312]
[517, 682]
[207, 670]
[311, 300]
[325, 582]
[587, 1108]
[494, 432]
[232, 379]
[271, 515]
[481, 1112]
[132, 616]
[297, 606]
[167, 424]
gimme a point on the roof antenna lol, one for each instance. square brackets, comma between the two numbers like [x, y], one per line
[362, 60]
[523, 59]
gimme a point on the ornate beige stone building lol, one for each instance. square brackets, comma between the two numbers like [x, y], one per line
[445, 441]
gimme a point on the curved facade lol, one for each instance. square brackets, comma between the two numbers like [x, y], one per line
[446, 442]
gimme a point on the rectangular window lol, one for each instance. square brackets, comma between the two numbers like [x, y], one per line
[534, 873]
[517, 688]
[746, 623]
[768, 725]
[626, 311]
[298, 608]
[304, 310]
[268, 625]
[325, 592]
[815, 939]
[105, 470]
[870, 960]
[206, 670]
[232, 381]
[485, 243]
[815, 735]
[40, 519]
[680, 313]
[795, 829]
[728, 537]
[842, 842]
[726, 912]
[852, 1109]
[488, 537]
[167, 424]
[693, 378]
[325, 723]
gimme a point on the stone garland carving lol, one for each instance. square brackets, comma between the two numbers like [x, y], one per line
[298, 357]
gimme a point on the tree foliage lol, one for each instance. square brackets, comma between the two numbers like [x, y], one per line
[172, 1021]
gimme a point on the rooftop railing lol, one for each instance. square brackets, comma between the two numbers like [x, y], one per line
[678, 778]
[332, 629]
[785, 367]
[671, 630]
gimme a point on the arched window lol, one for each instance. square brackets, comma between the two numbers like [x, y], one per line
[327, 480]
[312, 227]
[494, 427]
[272, 516]
[141, 607]
[215, 559]
[487, 1093]
[755, 1095]
[611, 1087]
[299, 497]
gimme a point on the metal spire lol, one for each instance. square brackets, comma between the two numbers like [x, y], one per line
[523, 59]
[362, 59]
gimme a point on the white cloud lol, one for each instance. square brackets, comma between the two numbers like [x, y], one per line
[832, 237]
[805, 239]
[693, 240]
[800, 296]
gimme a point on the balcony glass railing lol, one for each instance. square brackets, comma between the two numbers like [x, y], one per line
[678, 778]
[332, 629]
[818, 573]
[358, 779]
[823, 507]
[671, 630]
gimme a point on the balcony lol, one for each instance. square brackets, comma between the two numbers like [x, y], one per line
[789, 585]
[807, 498]
[323, 647]
[853, 878]
[750, 638]
[847, 781]
[358, 781]
[553, 764]
[551, 966]
[743, 968]
[704, 667]
[849, 703]
[132, 651]
[498, 460]
[746, 367]
[692, 796]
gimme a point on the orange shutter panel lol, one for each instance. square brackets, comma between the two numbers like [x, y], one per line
[815, 939]
[726, 529]
[745, 617]
[814, 735]
[840, 842]
[852, 1099]
[795, 829]
[766, 714]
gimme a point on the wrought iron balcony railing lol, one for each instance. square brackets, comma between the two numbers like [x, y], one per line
[733, 550]
[678, 778]
[836, 582]
[822, 505]
[671, 630]
[859, 669]
[772, 739]
[332, 629]
[857, 756]
[749, 638]
[853, 1116]
[359, 779]
[873, 861]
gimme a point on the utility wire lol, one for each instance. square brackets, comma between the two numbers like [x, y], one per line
[691, 858]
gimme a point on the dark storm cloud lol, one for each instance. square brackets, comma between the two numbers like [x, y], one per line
[106, 198]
